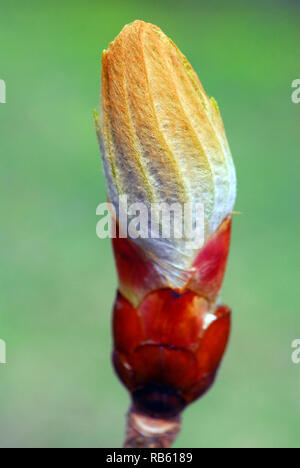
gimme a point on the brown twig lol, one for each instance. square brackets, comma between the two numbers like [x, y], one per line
[144, 431]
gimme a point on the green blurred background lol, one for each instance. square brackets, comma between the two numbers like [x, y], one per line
[57, 278]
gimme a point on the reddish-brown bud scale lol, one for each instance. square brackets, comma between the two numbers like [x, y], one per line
[169, 346]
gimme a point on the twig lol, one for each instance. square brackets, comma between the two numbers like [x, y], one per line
[144, 431]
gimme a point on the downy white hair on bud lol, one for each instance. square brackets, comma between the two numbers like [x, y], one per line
[162, 141]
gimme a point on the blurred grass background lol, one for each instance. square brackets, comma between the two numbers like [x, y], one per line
[58, 280]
